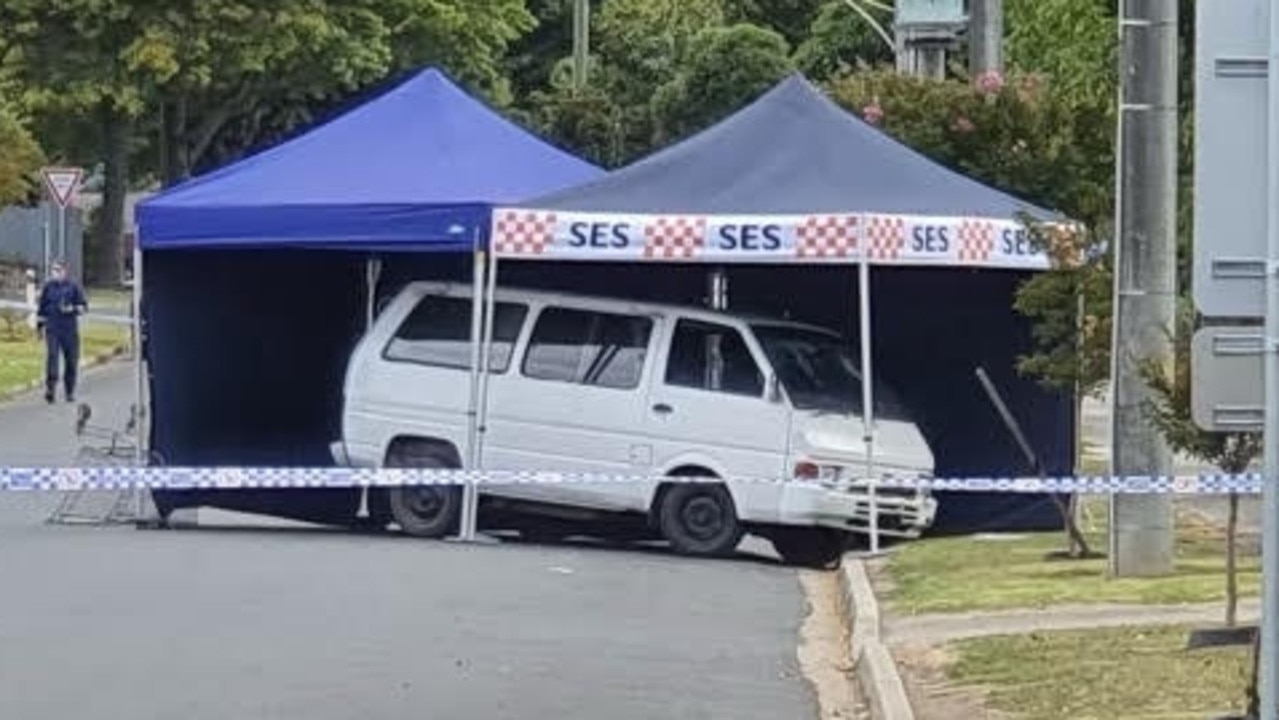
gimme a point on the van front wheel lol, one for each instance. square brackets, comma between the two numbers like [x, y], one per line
[423, 510]
[812, 547]
[699, 519]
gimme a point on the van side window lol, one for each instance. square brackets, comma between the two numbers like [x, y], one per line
[588, 348]
[712, 357]
[438, 332]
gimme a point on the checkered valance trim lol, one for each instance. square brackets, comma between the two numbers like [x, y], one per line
[883, 239]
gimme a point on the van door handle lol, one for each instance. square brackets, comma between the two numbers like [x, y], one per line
[663, 409]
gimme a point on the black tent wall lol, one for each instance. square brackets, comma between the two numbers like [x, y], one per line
[248, 350]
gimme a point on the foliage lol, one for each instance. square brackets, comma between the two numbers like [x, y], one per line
[840, 41]
[1169, 409]
[20, 156]
[1072, 41]
[1038, 144]
[638, 46]
[792, 19]
[727, 68]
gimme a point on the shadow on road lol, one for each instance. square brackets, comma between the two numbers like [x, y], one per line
[754, 553]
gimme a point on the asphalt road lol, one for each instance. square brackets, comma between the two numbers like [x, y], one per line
[287, 622]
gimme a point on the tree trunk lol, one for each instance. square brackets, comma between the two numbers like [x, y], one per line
[174, 153]
[1077, 544]
[108, 247]
[1232, 571]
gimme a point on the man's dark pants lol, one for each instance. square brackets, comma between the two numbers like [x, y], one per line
[61, 343]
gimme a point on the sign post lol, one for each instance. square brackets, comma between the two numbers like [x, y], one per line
[1235, 366]
[62, 184]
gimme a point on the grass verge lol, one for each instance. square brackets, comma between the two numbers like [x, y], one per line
[999, 573]
[1143, 672]
[22, 354]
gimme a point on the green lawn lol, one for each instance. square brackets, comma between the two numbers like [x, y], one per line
[1123, 673]
[962, 574]
[109, 298]
[22, 353]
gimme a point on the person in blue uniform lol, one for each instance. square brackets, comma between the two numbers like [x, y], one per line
[61, 303]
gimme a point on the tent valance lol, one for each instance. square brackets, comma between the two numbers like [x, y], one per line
[523, 233]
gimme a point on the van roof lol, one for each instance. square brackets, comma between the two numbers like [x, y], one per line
[456, 289]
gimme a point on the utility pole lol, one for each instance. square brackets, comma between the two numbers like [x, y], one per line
[581, 43]
[1141, 526]
[985, 37]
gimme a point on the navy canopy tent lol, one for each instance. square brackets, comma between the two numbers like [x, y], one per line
[788, 195]
[248, 334]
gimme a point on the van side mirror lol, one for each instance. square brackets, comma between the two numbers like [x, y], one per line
[772, 389]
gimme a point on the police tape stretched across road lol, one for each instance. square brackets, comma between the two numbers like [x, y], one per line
[232, 478]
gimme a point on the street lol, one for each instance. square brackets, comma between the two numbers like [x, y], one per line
[248, 619]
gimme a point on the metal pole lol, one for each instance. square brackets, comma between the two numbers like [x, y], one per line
[1268, 672]
[868, 396]
[1141, 527]
[62, 234]
[581, 43]
[985, 37]
[372, 273]
[477, 330]
[471, 510]
[139, 371]
[48, 250]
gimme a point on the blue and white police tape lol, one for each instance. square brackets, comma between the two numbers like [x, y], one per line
[244, 478]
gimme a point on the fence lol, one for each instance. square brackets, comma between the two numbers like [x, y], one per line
[23, 233]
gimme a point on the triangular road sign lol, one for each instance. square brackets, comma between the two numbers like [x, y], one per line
[62, 183]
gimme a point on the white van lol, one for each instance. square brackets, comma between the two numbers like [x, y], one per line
[589, 384]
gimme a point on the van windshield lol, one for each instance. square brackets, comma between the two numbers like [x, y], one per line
[819, 373]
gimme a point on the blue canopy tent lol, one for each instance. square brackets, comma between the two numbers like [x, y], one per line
[248, 334]
[785, 197]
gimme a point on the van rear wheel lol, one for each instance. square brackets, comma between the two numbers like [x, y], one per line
[812, 547]
[423, 510]
[700, 519]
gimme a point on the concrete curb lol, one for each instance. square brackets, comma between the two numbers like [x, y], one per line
[877, 675]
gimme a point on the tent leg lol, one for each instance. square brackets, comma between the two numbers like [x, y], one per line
[471, 495]
[469, 490]
[139, 372]
[868, 397]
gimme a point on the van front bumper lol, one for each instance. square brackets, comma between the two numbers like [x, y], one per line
[900, 513]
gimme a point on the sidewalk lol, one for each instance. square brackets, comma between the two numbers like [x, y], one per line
[936, 629]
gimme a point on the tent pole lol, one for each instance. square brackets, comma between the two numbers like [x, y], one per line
[868, 396]
[372, 272]
[139, 372]
[469, 490]
[477, 329]
[486, 355]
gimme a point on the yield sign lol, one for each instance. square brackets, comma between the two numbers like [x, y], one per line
[62, 183]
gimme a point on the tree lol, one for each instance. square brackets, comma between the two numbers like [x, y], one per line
[792, 19]
[1232, 452]
[195, 75]
[637, 47]
[20, 155]
[838, 42]
[725, 69]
